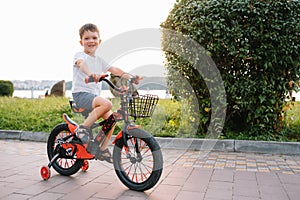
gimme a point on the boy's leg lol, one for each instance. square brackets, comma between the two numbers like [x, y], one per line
[109, 127]
[105, 154]
[100, 107]
[107, 139]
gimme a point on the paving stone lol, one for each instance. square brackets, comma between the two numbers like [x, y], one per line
[218, 194]
[246, 190]
[220, 185]
[47, 195]
[184, 195]
[223, 175]
[174, 181]
[165, 192]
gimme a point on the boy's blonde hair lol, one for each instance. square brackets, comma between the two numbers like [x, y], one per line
[88, 27]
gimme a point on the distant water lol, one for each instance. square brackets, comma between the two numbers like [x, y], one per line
[104, 93]
[297, 96]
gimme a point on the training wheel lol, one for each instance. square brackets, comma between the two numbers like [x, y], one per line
[45, 172]
[85, 165]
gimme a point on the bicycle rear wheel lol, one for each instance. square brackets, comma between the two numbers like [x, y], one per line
[142, 169]
[63, 166]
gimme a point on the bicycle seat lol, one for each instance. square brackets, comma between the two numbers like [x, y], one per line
[77, 109]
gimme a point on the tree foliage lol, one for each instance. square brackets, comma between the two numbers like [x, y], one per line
[255, 45]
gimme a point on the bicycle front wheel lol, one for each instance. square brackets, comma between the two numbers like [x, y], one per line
[140, 166]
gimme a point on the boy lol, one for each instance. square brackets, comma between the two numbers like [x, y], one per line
[86, 96]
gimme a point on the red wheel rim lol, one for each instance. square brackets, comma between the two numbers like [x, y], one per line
[85, 165]
[45, 172]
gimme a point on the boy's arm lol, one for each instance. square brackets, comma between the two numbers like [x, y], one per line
[83, 67]
[118, 72]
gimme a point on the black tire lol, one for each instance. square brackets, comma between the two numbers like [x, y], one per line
[138, 175]
[63, 166]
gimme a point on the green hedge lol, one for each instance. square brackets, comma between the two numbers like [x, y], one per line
[6, 88]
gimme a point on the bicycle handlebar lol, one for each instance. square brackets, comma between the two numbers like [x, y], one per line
[90, 79]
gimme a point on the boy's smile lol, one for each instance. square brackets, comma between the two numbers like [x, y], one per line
[90, 42]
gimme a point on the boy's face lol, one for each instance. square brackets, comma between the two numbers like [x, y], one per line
[90, 42]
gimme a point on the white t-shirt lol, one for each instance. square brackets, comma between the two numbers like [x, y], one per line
[96, 65]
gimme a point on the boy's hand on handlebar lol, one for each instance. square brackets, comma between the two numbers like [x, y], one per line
[123, 88]
[95, 78]
[137, 79]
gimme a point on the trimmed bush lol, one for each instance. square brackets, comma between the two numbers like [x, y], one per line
[6, 88]
[255, 45]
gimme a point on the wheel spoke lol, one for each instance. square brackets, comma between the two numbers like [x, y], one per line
[129, 170]
[143, 175]
[134, 174]
[142, 146]
[66, 164]
[147, 168]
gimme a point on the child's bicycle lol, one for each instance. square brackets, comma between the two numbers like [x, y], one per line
[137, 157]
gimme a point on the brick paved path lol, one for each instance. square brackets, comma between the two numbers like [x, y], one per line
[250, 162]
[187, 175]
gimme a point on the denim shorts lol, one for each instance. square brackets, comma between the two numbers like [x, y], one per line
[84, 100]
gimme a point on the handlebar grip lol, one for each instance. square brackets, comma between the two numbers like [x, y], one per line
[103, 78]
[90, 79]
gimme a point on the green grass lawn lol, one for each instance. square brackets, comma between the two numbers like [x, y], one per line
[293, 122]
[41, 115]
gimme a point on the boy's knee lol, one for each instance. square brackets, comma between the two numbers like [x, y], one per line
[101, 102]
[107, 105]
[110, 105]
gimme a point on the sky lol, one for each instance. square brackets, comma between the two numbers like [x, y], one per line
[40, 38]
